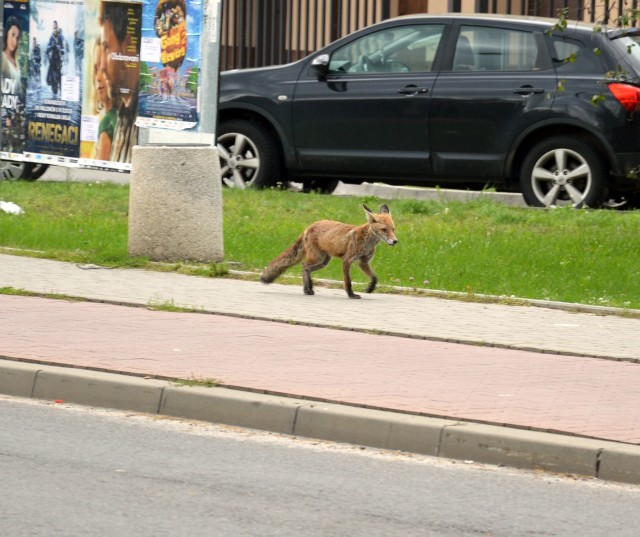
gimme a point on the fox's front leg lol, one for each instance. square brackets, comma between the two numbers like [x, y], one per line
[346, 273]
[366, 268]
[307, 283]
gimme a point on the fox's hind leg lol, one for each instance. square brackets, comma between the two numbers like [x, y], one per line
[309, 266]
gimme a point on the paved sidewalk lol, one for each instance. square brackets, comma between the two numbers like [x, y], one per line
[583, 382]
[517, 327]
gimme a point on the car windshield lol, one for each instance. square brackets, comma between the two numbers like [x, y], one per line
[627, 48]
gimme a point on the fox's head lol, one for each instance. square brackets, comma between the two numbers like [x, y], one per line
[382, 224]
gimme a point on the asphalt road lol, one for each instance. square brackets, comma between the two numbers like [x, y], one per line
[70, 471]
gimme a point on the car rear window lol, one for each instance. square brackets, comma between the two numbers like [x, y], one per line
[627, 55]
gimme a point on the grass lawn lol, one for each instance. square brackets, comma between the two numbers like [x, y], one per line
[480, 247]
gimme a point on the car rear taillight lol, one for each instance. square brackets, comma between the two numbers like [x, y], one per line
[628, 96]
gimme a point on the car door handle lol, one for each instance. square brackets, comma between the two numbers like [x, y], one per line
[412, 89]
[527, 90]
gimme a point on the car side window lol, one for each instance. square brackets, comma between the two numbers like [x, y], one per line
[481, 48]
[408, 49]
[565, 49]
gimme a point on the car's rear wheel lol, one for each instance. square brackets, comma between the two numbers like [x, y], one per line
[563, 171]
[249, 156]
[12, 170]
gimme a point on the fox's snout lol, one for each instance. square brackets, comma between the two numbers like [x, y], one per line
[392, 242]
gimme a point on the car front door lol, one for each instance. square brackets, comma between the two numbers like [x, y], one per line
[501, 81]
[368, 116]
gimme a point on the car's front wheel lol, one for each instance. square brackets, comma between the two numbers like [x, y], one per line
[249, 156]
[12, 170]
[37, 171]
[563, 171]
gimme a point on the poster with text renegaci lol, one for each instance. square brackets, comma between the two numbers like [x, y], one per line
[170, 62]
[112, 76]
[13, 79]
[54, 82]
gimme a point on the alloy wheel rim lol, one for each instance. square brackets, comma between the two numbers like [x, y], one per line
[239, 162]
[11, 170]
[561, 177]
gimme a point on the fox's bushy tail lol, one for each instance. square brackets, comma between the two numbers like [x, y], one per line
[291, 256]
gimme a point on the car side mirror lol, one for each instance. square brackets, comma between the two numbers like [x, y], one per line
[320, 66]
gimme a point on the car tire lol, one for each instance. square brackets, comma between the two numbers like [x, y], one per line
[322, 186]
[37, 171]
[249, 155]
[563, 170]
[12, 170]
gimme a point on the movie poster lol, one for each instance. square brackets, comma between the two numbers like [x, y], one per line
[15, 55]
[55, 81]
[110, 93]
[170, 64]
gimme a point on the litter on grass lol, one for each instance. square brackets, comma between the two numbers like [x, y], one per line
[10, 207]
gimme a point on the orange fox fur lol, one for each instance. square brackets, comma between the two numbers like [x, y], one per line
[325, 239]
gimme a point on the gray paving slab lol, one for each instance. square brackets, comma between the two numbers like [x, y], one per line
[521, 449]
[98, 389]
[232, 407]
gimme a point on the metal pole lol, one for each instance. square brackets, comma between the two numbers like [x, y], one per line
[210, 67]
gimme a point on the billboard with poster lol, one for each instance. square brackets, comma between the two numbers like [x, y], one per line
[110, 95]
[170, 64]
[85, 75]
[13, 79]
[55, 78]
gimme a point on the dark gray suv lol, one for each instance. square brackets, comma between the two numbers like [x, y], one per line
[446, 100]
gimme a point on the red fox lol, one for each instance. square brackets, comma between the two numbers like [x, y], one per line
[325, 239]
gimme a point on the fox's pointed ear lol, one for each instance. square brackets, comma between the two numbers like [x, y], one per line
[369, 214]
[384, 209]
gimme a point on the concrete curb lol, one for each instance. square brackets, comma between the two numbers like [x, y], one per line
[391, 192]
[489, 444]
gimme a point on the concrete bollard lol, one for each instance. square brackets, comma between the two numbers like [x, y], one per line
[175, 204]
